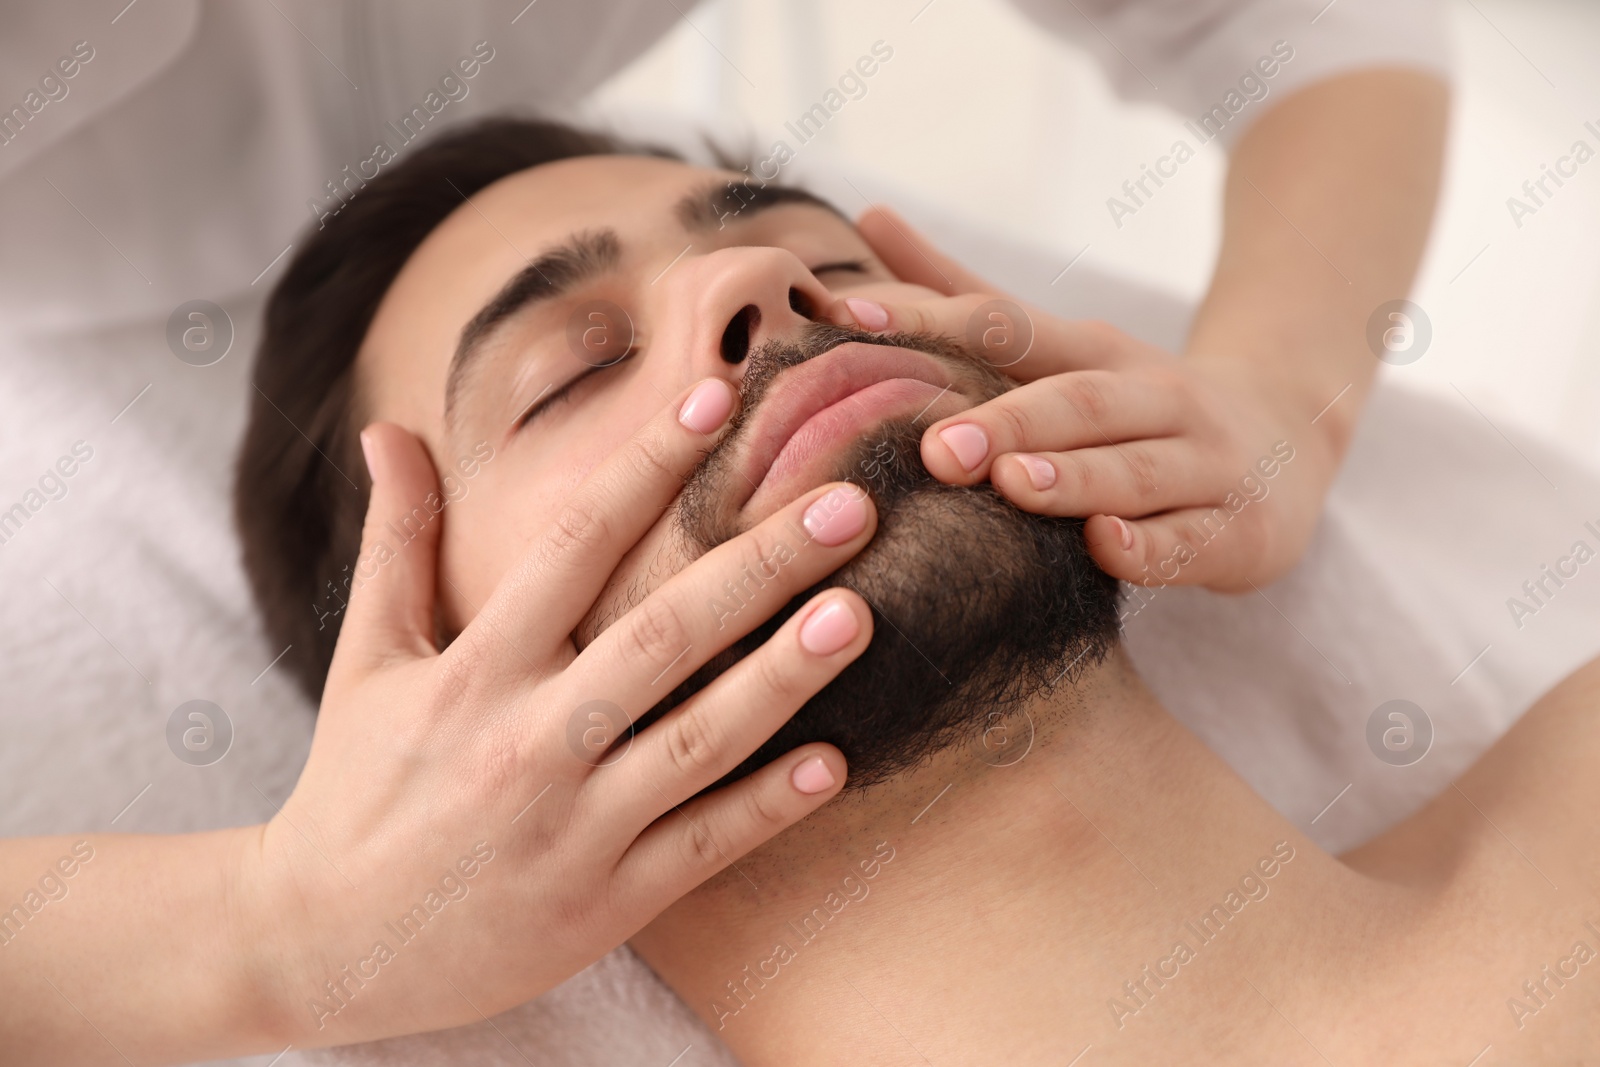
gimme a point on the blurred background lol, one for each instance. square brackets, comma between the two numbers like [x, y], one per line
[1514, 310]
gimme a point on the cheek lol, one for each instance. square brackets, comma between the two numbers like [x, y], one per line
[486, 534]
[483, 537]
[515, 498]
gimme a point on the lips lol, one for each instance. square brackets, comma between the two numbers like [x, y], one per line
[831, 398]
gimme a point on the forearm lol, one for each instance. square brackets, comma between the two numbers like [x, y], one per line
[1327, 209]
[147, 951]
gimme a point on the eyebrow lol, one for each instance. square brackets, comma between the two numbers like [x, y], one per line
[719, 201]
[575, 260]
[589, 254]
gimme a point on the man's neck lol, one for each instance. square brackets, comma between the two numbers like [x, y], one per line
[975, 913]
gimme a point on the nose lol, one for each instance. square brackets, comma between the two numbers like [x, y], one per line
[713, 310]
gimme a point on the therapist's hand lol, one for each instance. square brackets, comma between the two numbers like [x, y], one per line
[1189, 471]
[465, 792]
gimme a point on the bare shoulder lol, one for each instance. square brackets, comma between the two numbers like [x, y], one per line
[1534, 796]
[1509, 857]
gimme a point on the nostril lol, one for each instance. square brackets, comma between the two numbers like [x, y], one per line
[736, 338]
[801, 304]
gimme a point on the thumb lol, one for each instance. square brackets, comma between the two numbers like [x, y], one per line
[392, 595]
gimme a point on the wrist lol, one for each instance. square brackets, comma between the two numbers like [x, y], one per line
[271, 941]
[1315, 413]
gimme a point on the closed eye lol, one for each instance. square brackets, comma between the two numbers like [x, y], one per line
[852, 266]
[549, 396]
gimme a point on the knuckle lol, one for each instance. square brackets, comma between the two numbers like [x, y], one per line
[1087, 394]
[965, 306]
[763, 811]
[655, 631]
[755, 548]
[1102, 334]
[457, 675]
[1155, 550]
[1187, 405]
[1141, 469]
[1076, 477]
[773, 675]
[1188, 536]
[1168, 377]
[1016, 424]
[652, 456]
[459, 679]
[578, 528]
[692, 745]
[758, 558]
[701, 850]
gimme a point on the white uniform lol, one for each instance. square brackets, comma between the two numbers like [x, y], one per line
[198, 132]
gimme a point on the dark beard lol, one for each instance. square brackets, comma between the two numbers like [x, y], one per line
[977, 606]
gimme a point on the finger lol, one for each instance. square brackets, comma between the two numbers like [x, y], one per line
[724, 595]
[697, 743]
[1078, 410]
[392, 583]
[686, 846]
[913, 258]
[1026, 343]
[556, 583]
[1133, 479]
[1209, 546]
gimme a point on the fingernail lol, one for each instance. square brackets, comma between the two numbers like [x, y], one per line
[708, 407]
[837, 517]
[829, 629]
[1041, 472]
[366, 454]
[812, 776]
[1124, 533]
[968, 442]
[868, 315]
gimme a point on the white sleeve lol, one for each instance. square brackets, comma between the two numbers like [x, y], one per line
[1208, 59]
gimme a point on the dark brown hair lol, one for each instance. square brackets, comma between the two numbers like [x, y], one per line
[301, 486]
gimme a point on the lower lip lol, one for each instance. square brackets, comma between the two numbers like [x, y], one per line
[845, 420]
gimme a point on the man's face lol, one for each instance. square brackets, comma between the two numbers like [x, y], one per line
[486, 338]
[699, 293]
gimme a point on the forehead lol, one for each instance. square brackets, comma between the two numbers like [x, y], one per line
[465, 260]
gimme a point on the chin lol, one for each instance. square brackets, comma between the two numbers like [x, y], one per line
[978, 606]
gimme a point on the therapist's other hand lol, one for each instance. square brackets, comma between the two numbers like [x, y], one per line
[461, 839]
[1192, 471]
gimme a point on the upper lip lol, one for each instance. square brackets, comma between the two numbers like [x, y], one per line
[822, 381]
